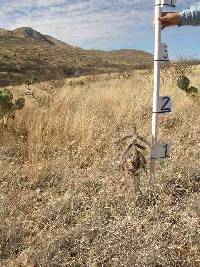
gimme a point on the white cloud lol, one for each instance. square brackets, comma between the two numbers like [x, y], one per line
[78, 21]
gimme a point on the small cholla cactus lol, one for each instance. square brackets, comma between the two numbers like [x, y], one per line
[184, 84]
[8, 106]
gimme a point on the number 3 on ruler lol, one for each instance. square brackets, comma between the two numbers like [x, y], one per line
[164, 105]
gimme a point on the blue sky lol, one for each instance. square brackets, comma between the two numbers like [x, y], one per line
[100, 24]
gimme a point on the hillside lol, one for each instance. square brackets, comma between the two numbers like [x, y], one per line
[29, 55]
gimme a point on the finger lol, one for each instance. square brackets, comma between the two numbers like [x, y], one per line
[163, 19]
[163, 27]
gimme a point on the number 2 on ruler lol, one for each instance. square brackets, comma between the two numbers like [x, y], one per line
[164, 105]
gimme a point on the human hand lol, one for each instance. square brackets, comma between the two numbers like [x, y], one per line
[170, 19]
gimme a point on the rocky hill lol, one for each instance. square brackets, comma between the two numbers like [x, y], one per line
[29, 55]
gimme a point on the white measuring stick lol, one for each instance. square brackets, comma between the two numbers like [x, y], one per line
[161, 105]
[156, 84]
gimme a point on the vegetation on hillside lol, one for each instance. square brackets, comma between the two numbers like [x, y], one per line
[26, 53]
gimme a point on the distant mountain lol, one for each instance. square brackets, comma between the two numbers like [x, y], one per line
[4, 33]
[26, 53]
[56, 41]
[29, 33]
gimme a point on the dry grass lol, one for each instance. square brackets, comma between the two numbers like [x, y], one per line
[65, 201]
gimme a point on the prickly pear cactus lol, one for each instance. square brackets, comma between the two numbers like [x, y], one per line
[5, 97]
[192, 90]
[5, 102]
[183, 83]
[7, 105]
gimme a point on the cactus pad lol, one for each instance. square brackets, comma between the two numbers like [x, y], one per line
[5, 97]
[183, 83]
[192, 90]
[7, 105]
[19, 104]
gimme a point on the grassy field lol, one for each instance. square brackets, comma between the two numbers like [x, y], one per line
[64, 199]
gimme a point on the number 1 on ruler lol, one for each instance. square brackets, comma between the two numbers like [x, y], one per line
[161, 151]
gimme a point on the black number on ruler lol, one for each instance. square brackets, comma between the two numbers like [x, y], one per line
[164, 107]
[166, 52]
[166, 150]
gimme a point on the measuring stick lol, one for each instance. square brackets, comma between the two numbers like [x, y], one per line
[161, 105]
[156, 85]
